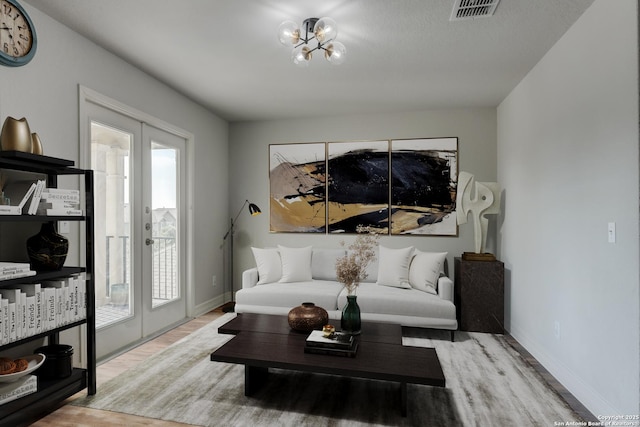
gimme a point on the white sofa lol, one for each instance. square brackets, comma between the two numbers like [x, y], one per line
[397, 289]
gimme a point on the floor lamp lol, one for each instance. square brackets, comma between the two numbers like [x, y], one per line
[253, 210]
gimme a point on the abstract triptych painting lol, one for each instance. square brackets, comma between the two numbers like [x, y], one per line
[403, 186]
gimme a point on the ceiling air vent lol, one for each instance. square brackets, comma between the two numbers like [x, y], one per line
[471, 9]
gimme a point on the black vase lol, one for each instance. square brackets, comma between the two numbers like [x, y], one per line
[47, 250]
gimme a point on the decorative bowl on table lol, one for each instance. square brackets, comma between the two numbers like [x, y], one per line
[34, 361]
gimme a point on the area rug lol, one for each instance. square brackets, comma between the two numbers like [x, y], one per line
[488, 383]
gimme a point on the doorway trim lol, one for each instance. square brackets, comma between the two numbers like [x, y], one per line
[87, 95]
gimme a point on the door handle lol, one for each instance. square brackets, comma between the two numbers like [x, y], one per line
[148, 241]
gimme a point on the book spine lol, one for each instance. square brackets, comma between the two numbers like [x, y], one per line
[59, 212]
[53, 197]
[50, 308]
[13, 391]
[57, 205]
[328, 351]
[31, 316]
[54, 190]
[23, 315]
[26, 196]
[35, 199]
[6, 329]
[10, 210]
[12, 321]
[17, 275]
[335, 346]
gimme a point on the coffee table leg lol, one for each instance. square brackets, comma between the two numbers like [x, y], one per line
[403, 399]
[254, 378]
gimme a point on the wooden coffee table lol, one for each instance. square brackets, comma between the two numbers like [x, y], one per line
[264, 341]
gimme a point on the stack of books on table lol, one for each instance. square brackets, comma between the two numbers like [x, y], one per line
[13, 270]
[337, 344]
[59, 202]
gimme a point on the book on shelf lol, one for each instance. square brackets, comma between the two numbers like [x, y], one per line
[13, 266]
[17, 275]
[60, 212]
[64, 191]
[35, 199]
[336, 340]
[33, 290]
[58, 205]
[17, 389]
[60, 195]
[4, 312]
[17, 210]
[15, 312]
[10, 210]
[13, 270]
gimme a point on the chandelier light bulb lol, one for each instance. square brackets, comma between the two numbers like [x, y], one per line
[289, 33]
[301, 56]
[325, 30]
[335, 53]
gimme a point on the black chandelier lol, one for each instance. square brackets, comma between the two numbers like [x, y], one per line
[322, 31]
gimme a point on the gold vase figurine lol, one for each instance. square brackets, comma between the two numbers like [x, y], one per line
[36, 144]
[16, 135]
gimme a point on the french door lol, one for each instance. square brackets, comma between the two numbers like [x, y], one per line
[140, 230]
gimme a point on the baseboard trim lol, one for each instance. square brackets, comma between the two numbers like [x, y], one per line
[207, 306]
[586, 395]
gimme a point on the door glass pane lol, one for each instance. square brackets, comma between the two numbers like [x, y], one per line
[110, 155]
[164, 197]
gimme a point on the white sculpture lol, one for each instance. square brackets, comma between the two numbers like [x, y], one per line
[482, 200]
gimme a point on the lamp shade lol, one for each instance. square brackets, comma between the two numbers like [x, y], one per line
[254, 209]
[335, 53]
[325, 29]
[301, 56]
[289, 33]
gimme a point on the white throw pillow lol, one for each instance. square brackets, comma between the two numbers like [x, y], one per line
[323, 263]
[393, 267]
[296, 264]
[425, 270]
[269, 265]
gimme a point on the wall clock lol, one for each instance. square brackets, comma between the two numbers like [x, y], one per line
[17, 35]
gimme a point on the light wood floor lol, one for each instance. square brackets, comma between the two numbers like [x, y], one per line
[75, 416]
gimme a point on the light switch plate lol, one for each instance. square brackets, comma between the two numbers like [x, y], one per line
[611, 232]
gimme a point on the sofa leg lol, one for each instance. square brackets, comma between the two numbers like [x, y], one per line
[453, 335]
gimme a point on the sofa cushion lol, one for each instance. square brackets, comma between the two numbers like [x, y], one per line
[323, 263]
[425, 269]
[373, 298]
[393, 267]
[296, 264]
[322, 293]
[269, 265]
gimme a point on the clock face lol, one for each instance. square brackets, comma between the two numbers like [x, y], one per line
[17, 36]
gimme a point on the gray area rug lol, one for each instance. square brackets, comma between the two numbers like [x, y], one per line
[488, 383]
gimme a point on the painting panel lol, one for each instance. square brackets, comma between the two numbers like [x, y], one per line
[424, 174]
[297, 181]
[358, 186]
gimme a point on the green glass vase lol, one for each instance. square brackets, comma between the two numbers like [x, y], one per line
[350, 322]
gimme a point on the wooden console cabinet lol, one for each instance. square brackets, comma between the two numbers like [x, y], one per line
[479, 295]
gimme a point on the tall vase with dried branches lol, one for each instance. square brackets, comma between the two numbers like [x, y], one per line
[350, 270]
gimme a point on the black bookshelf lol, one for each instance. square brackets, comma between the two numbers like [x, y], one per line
[51, 393]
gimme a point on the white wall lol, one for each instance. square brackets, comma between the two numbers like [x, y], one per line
[568, 160]
[249, 169]
[45, 91]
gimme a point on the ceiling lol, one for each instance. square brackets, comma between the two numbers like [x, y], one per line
[402, 55]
